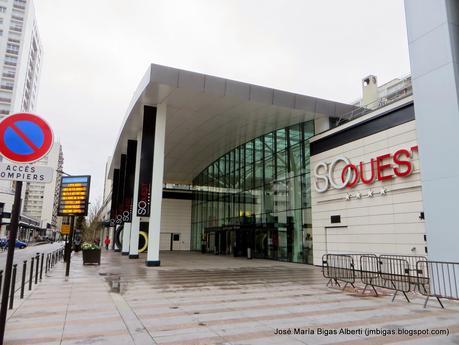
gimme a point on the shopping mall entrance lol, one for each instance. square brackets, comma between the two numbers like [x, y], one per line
[262, 241]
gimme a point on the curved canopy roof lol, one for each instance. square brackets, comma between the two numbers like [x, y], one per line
[208, 116]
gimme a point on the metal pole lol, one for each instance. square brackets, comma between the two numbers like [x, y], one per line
[24, 269]
[41, 265]
[31, 273]
[13, 284]
[67, 268]
[47, 263]
[10, 257]
[36, 268]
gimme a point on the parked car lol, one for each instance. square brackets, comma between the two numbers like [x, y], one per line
[19, 244]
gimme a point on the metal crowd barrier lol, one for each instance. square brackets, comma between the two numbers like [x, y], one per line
[338, 267]
[412, 261]
[386, 272]
[401, 273]
[438, 279]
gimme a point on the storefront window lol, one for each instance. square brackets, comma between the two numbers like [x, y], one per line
[258, 195]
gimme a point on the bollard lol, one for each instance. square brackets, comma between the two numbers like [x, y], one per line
[24, 269]
[41, 265]
[36, 268]
[13, 284]
[1, 279]
[31, 273]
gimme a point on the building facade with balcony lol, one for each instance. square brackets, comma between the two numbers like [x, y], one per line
[21, 52]
[41, 200]
[20, 65]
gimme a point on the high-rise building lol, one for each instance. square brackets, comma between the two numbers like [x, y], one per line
[20, 65]
[21, 52]
[40, 201]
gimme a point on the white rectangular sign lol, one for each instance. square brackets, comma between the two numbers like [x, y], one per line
[26, 172]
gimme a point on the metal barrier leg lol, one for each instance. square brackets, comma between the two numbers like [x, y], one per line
[13, 284]
[374, 289]
[345, 285]
[372, 286]
[24, 269]
[425, 302]
[404, 294]
[36, 268]
[41, 265]
[31, 273]
[439, 301]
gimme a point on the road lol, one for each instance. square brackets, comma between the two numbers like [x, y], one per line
[20, 255]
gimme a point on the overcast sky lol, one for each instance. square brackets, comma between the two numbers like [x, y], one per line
[96, 51]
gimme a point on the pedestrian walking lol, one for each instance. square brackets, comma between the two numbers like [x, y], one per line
[107, 242]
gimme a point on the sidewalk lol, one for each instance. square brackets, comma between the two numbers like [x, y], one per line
[205, 299]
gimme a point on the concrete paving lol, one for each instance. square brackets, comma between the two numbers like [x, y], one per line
[205, 299]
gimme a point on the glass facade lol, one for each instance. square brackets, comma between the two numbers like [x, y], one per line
[255, 200]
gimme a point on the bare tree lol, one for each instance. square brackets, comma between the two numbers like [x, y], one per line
[94, 219]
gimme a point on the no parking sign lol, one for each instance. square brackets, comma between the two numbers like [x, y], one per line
[25, 138]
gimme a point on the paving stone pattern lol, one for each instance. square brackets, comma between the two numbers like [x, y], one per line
[205, 299]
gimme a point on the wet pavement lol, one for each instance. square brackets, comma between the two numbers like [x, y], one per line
[204, 299]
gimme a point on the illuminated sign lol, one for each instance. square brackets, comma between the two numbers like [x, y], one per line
[74, 196]
[341, 173]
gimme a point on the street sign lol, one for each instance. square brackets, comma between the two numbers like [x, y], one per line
[65, 229]
[25, 138]
[74, 196]
[26, 173]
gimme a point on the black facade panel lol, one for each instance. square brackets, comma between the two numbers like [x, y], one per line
[120, 203]
[129, 180]
[113, 210]
[146, 161]
[177, 195]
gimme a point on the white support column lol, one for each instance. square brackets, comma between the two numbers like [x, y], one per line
[135, 227]
[117, 249]
[126, 238]
[157, 188]
[111, 236]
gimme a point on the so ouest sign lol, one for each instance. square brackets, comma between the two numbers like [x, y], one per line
[341, 173]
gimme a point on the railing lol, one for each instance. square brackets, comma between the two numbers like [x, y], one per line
[438, 279]
[403, 92]
[400, 273]
[387, 273]
[35, 267]
[338, 267]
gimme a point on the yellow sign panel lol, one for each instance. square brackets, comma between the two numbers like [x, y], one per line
[73, 199]
[65, 229]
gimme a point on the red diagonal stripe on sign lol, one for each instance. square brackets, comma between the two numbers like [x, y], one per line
[24, 137]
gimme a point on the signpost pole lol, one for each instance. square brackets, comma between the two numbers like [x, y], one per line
[69, 249]
[10, 257]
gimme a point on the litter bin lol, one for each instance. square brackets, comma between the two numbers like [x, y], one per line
[249, 253]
